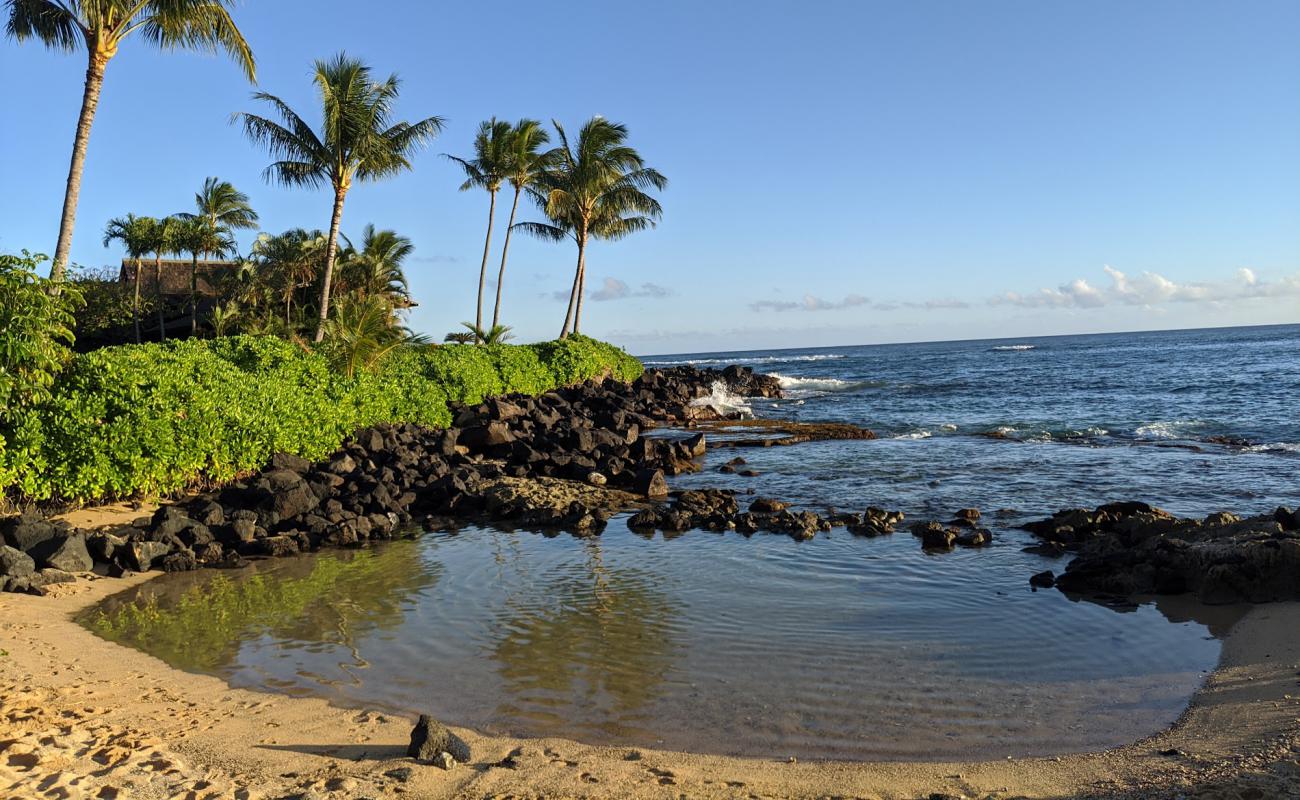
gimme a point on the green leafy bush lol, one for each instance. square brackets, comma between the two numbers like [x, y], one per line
[156, 418]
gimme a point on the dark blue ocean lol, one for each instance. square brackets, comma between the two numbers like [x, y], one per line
[1195, 421]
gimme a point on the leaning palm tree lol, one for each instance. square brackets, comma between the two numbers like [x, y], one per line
[99, 27]
[487, 170]
[526, 161]
[136, 235]
[358, 142]
[593, 190]
[376, 269]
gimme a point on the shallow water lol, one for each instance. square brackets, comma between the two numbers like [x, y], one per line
[837, 647]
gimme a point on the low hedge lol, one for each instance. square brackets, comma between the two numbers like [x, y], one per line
[156, 418]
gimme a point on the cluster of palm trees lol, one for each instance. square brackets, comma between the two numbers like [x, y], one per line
[279, 273]
[219, 210]
[593, 188]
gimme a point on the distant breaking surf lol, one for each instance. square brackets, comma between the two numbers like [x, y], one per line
[1014, 347]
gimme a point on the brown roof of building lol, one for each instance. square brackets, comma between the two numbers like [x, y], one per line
[176, 275]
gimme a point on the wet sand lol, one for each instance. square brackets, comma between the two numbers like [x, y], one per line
[82, 717]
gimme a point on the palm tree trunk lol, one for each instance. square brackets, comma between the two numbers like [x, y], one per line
[89, 103]
[158, 295]
[482, 271]
[331, 250]
[582, 289]
[194, 294]
[573, 293]
[135, 301]
[505, 248]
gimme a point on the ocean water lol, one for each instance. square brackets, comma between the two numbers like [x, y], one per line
[1194, 421]
[838, 647]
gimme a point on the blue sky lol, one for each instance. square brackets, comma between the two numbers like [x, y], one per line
[840, 172]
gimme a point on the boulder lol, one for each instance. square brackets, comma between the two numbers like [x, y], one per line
[975, 537]
[650, 482]
[290, 462]
[27, 531]
[15, 563]
[430, 738]
[65, 553]
[767, 505]
[1042, 580]
[140, 556]
[696, 445]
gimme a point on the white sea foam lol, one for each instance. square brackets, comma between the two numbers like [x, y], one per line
[740, 360]
[1274, 447]
[815, 384]
[922, 434]
[1014, 347]
[723, 401]
[1168, 429]
[947, 426]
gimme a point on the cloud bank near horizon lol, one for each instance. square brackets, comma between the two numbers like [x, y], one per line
[1146, 289]
[1151, 289]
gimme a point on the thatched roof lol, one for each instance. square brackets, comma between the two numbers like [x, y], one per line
[176, 275]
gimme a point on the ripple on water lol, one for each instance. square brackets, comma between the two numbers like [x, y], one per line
[837, 647]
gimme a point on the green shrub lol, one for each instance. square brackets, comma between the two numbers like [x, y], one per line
[35, 331]
[156, 418]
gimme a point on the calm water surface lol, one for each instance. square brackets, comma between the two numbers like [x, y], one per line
[837, 647]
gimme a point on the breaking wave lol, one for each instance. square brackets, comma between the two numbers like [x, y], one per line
[723, 401]
[818, 384]
[1014, 347]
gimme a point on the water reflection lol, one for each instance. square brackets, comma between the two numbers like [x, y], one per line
[603, 645]
[198, 621]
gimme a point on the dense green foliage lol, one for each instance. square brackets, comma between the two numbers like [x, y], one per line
[155, 418]
[35, 331]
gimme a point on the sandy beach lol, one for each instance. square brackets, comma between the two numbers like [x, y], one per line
[82, 717]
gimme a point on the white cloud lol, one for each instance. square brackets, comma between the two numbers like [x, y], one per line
[615, 289]
[1150, 289]
[810, 303]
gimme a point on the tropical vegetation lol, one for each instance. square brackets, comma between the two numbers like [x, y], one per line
[99, 28]
[358, 142]
[295, 343]
[594, 188]
[158, 418]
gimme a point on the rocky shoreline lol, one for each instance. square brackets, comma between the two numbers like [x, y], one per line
[570, 459]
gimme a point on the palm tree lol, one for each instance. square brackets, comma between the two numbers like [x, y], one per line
[362, 332]
[459, 337]
[525, 164]
[497, 334]
[221, 210]
[100, 27]
[291, 261]
[486, 170]
[163, 239]
[376, 269]
[358, 142]
[195, 235]
[137, 235]
[593, 190]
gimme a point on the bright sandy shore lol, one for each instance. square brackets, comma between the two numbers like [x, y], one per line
[82, 717]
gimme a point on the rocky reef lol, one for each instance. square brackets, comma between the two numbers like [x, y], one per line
[1135, 549]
